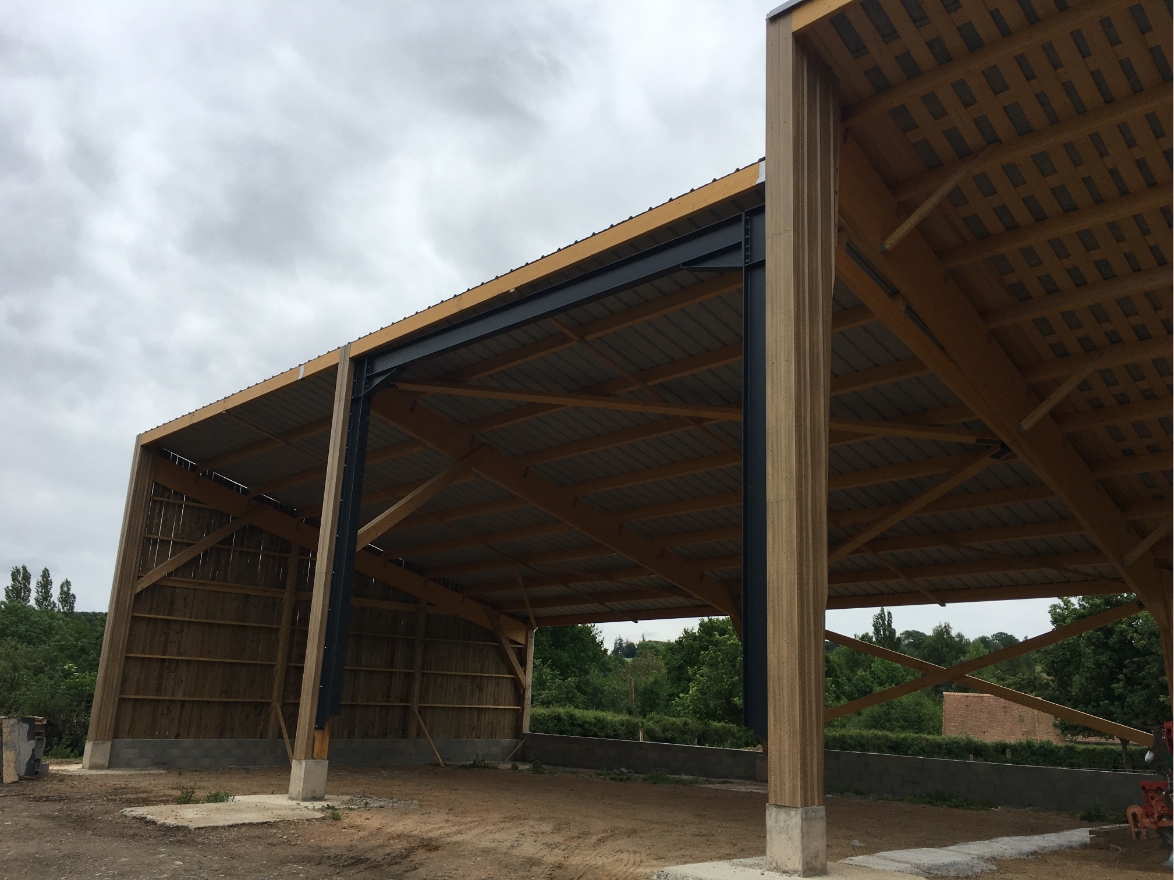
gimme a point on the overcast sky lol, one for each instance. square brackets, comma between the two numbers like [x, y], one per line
[197, 196]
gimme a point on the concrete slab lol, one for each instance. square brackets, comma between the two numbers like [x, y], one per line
[253, 809]
[968, 859]
[745, 869]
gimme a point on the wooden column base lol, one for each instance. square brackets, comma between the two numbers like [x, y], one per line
[322, 743]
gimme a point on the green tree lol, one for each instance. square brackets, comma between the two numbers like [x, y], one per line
[1115, 671]
[943, 646]
[883, 631]
[20, 587]
[715, 687]
[43, 597]
[66, 600]
[48, 666]
[572, 668]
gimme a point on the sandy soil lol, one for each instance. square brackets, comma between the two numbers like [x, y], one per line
[478, 823]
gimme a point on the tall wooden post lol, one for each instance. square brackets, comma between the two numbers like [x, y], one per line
[118, 615]
[802, 137]
[524, 720]
[307, 778]
[417, 679]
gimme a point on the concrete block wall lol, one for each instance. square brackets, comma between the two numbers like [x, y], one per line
[385, 752]
[219, 754]
[1007, 785]
[589, 753]
[196, 754]
[1045, 788]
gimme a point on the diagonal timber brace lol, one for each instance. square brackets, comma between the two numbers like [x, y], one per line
[274, 521]
[950, 337]
[402, 410]
[1094, 722]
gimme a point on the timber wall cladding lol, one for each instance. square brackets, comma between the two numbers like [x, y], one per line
[201, 655]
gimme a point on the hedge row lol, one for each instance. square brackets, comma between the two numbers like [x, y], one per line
[657, 728]
[1038, 753]
[688, 731]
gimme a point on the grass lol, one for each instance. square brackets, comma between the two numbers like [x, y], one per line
[479, 763]
[660, 777]
[1098, 813]
[936, 799]
[188, 796]
[613, 775]
[536, 766]
[333, 814]
[942, 799]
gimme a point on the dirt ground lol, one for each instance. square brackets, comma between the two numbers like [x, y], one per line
[479, 823]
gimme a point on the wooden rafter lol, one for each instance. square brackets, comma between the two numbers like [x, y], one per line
[275, 442]
[633, 595]
[1109, 356]
[419, 496]
[233, 503]
[701, 464]
[1041, 139]
[977, 369]
[719, 285]
[992, 53]
[1103, 291]
[566, 579]
[949, 504]
[575, 399]
[1116, 415]
[559, 502]
[688, 366]
[1123, 206]
[972, 567]
[388, 453]
[977, 594]
[1054, 709]
[890, 473]
[634, 615]
[1018, 532]
[495, 563]
[885, 374]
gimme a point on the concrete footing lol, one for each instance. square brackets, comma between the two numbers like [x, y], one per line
[796, 840]
[307, 779]
[96, 755]
[755, 869]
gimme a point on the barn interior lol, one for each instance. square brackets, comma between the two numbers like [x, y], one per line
[920, 353]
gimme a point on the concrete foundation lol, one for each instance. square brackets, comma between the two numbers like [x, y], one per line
[307, 780]
[755, 869]
[96, 755]
[796, 840]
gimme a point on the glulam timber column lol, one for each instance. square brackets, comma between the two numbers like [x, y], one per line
[122, 594]
[802, 137]
[307, 777]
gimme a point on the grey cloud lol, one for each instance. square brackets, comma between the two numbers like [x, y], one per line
[197, 196]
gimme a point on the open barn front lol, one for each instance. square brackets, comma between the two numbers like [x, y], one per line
[918, 354]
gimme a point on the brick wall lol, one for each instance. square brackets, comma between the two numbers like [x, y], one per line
[991, 718]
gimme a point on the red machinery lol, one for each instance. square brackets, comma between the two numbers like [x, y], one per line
[1156, 811]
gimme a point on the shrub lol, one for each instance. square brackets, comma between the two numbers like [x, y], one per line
[657, 728]
[1039, 753]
